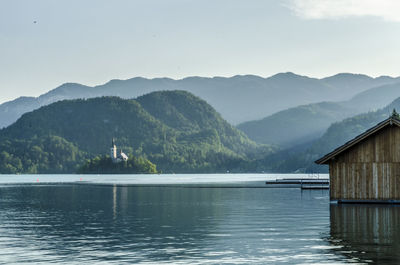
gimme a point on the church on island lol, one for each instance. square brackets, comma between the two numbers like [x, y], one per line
[115, 157]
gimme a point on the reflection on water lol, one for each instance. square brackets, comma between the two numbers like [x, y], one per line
[366, 233]
[103, 222]
[83, 224]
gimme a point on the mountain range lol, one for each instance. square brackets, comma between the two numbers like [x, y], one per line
[238, 99]
[179, 131]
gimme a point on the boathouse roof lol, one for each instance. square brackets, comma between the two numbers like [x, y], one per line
[394, 119]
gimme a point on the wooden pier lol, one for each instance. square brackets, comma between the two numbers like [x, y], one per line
[303, 183]
[315, 187]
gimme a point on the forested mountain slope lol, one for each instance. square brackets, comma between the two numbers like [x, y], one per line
[176, 130]
[336, 135]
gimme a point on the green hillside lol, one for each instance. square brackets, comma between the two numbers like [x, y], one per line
[175, 130]
[46, 154]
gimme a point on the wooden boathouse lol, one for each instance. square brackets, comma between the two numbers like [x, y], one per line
[367, 168]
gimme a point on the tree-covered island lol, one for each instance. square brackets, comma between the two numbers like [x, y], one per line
[105, 165]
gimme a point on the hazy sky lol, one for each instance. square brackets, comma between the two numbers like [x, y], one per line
[44, 43]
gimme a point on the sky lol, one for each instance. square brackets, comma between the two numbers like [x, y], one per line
[45, 43]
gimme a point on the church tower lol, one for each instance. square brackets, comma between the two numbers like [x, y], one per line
[116, 158]
[113, 152]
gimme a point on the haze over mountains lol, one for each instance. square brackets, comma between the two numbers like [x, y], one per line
[336, 135]
[303, 123]
[238, 98]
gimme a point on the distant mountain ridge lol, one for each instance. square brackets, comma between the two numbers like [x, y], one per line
[238, 98]
[305, 123]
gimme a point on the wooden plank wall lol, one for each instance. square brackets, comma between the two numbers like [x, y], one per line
[369, 170]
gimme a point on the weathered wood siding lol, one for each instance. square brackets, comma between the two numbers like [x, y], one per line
[370, 170]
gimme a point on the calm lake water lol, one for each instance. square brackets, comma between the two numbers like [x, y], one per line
[120, 219]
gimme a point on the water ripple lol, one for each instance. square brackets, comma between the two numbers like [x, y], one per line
[75, 224]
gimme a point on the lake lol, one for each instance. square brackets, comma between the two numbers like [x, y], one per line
[187, 219]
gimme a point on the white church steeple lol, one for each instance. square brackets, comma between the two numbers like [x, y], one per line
[113, 153]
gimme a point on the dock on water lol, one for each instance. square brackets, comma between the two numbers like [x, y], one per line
[303, 183]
